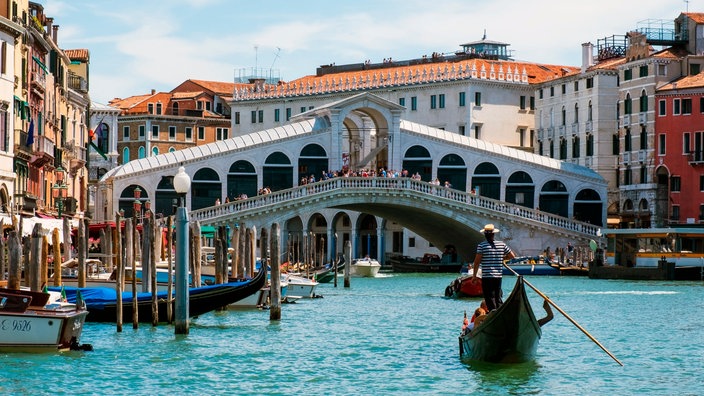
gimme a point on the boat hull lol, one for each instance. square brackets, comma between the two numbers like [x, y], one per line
[407, 264]
[365, 268]
[510, 334]
[102, 307]
[463, 286]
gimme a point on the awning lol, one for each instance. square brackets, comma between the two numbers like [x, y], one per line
[47, 226]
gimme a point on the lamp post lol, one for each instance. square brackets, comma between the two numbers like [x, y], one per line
[59, 189]
[182, 183]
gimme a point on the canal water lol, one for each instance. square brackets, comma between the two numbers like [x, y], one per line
[392, 335]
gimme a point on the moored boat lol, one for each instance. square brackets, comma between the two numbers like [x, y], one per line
[30, 322]
[101, 302]
[428, 263]
[462, 286]
[300, 286]
[509, 334]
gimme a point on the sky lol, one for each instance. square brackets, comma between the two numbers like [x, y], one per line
[139, 45]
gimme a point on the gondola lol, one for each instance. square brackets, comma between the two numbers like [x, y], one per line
[102, 306]
[510, 334]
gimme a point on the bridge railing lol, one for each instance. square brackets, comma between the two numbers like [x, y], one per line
[213, 213]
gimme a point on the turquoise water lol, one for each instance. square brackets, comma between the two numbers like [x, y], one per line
[393, 335]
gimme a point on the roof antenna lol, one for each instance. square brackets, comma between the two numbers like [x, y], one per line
[484, 38]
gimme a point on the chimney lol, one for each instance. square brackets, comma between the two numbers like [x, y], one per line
[153, 91]
[55, 34]
[587, 56]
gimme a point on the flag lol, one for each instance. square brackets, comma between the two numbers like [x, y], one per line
[30, 134]
[63, 294]
[99, 133]
[45, 289]
[80, 303]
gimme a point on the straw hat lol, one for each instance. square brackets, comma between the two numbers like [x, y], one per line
[489, 229]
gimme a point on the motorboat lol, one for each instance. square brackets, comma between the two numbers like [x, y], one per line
[299, 286]
[39, 321]
[365, 267]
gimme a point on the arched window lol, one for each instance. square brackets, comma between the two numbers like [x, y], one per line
[142, 152]
[627, 105]
[589, 111]
[155, 151]
[125, 155]
[576, 113]
[643, 102]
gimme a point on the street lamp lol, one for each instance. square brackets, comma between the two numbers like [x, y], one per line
[59, 189]
[182, 183]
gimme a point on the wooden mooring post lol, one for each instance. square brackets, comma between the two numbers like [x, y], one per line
[275, 287]
[348, 261]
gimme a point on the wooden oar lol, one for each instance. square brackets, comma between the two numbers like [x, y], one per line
[566, 316]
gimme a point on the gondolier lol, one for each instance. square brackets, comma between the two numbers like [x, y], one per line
[491, 255]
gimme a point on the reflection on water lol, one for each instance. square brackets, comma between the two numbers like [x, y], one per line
[501, 376]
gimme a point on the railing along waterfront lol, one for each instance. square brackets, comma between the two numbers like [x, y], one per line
[384, 185]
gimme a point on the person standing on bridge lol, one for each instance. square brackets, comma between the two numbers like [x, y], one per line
[491, 255]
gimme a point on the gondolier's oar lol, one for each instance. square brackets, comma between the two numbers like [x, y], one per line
[566, 316]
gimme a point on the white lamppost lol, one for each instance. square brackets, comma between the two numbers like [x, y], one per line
[182, 183]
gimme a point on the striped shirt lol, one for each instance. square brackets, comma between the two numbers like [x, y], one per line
[492, 258]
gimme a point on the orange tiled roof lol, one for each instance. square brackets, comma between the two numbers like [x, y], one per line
[609, 64]
[78, 54]
[695, 81]
[671, 53]
[506, 71]
[219, 87]
[696, 17]
[186, 95]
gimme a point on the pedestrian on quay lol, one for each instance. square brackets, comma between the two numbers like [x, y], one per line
[490, 255]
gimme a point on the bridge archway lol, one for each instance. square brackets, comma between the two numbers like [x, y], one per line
[520, 189]
[487, 180]
[241, 179]
[367, 237]
[554, 198]
[205, 189]
[127, 199]
[165, 197]
[453, 169]
[278, 172]
[417, 159]
[313, 161]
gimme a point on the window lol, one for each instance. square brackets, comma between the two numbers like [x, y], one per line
[643, 138]
[662, 107]
[441, 101]
[627, 140]
[564, 89]
[142, 131]
[522, 137]
[675, 183]
[462, 130]
[477, 98]
[698, 152]
[411, 242]
[589, 111]
[237, 118]
[221, 133]
[685, 143]
[174, 109]
[701, 212]
[253, 115]
[477, 131]
[662, 70]
[701, 182]
[288, 113]
[590, 145]
[643, 174]
[643, 71]
[3, 54]
[277, 115]
[675, 212]
[402, 101]
[433, 101]
[575, 147]
[643, 102]
[540, 93]
[694, 69]
[155, 151]
[158, 108]
[125, 133]
[563, 116]
[126, 155]
[627, 75]
[172, 133]
[189, 134]
[155, 131]
[463, 99]
[661, 144]
[522, 103]
[563, 148]
[552, 91]
[627, 105]
[676, 107]
[687, 106]
[532, 102]
[627, 176]
[615, 145]
[303, 109]
[201, 133]
[590, 82]
[576, 113]
[150, 108]
[414, 103]
[701, 104]
[261, 116]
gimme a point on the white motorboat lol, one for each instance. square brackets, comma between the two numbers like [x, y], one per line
[31, 323]
[299, 286]
[365, 267]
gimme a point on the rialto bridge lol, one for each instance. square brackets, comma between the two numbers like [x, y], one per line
[537, 201]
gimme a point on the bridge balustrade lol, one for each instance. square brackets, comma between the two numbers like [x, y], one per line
[261, 202]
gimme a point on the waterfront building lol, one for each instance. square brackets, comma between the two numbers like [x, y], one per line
[102, 153]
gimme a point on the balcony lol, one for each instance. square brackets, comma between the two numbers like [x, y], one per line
[626, 157]
[77, 83]
[696, 158]
[43, 151]
[562, 130]
[551, 133]
[22, 151]
[589, 127]
[642, 155]
[541, 134]
[39, 81]
[588, 161]
[627, 120]
[643, 118]
[575, 128]
[75, 154]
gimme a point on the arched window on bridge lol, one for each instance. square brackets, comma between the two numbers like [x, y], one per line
[313, 160]
[453, 169]
[520, 190]
[278, 172]
[205, 189]
[417, 159]
[588, 207]
[487, 180]
[554, 198]
[241, 179]
[165, 198]
[127, 198]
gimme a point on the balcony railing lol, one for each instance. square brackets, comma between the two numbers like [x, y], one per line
[643, 118]
[627, 157]
[626, 120]
[77, 83]
[588, 127]
[575, 128]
